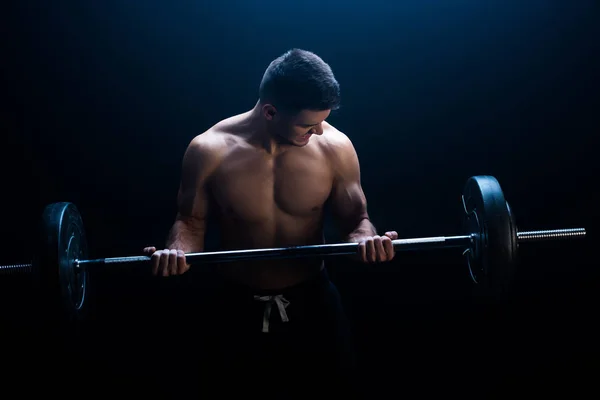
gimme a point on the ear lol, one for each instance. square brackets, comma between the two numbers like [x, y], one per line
[269, 111]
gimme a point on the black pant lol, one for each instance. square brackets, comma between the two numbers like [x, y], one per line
[234, 336]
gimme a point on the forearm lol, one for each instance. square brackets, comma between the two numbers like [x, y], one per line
[363, 229]
[187, 235]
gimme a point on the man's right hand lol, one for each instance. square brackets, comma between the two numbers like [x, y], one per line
[167, 262]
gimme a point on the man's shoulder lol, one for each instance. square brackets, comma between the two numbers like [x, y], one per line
[207, 149]
[335, 140]
[216, 138]
[210, 139]
[338, 149]
[206, 145]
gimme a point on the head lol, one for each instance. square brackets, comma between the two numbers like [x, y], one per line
[297, 93]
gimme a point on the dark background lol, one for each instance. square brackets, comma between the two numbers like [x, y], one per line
[102, 98]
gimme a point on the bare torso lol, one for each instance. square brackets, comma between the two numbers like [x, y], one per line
[263, 200]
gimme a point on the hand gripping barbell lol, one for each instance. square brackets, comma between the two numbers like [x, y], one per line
[490, 242]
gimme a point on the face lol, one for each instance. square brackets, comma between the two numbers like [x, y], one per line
[298, 128]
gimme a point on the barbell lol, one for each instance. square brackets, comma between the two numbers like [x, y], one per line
[490, 240]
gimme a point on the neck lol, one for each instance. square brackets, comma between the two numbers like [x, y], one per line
[260, 135]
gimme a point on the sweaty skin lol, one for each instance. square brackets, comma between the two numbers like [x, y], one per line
[263, 198]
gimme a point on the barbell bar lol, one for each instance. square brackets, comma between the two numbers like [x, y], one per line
[327, 250]
[490, 243]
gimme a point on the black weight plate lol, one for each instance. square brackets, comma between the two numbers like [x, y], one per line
[488, 218]
[62, 241]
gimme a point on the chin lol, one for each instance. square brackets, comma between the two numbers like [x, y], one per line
[303, 140]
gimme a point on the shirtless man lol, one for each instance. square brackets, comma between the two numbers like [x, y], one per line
[267, 176]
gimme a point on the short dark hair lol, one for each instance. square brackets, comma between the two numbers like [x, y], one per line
[300, 80]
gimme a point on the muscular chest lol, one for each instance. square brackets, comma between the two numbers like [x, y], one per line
[252, 186]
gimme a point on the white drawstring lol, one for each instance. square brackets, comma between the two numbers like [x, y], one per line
[281, 302]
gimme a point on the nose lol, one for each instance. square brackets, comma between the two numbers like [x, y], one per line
[317, 130]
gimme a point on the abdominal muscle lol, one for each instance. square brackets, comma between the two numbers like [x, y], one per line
[274, 273]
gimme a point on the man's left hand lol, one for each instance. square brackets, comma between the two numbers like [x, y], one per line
[376, 249]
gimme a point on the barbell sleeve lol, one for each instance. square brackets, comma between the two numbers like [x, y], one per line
[554, 234]
[15, 269]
